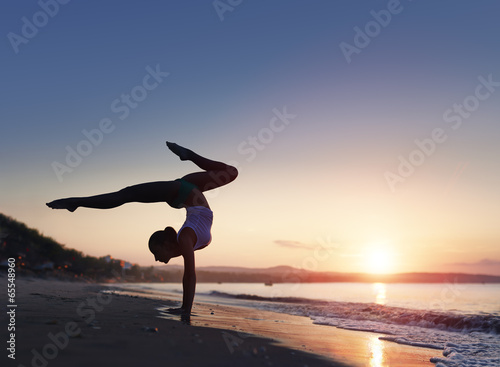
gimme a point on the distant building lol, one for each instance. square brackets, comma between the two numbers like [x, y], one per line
[48, 265]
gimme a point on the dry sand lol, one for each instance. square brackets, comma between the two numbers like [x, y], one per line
[129, 330]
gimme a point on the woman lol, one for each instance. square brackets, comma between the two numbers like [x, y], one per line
[186, 192]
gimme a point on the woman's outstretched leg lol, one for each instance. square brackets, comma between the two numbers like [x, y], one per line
[143, 193]
[217, 173]
[205, 164]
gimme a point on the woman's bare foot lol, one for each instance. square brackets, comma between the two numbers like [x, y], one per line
[68, 204]
[181, 152]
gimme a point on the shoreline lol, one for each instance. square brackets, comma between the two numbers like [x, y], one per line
[73, 324]
[353, 348]
[62, 323]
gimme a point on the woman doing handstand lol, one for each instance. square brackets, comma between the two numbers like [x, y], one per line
[186, 192]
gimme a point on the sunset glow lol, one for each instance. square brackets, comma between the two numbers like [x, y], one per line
[383, 147]
[334, 161]
[379, 260]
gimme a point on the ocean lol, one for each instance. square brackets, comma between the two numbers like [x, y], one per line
[461, 320]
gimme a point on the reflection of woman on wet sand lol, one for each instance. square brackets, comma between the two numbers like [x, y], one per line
[186, 192]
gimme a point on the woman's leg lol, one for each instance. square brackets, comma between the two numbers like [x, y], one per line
[216, 173]
[151, 192]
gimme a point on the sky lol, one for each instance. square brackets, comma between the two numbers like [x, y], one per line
[365, 132]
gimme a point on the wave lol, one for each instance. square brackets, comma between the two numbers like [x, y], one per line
[252, 297]
[465, 339]
[326, 311]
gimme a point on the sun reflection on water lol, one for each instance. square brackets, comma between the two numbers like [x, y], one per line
[380, 293]
[376, 352]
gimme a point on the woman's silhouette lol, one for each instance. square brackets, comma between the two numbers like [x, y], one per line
[186, 192]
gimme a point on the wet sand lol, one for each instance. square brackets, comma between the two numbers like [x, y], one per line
[352, 348]
[74, 324]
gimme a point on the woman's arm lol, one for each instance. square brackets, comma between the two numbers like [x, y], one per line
[187, 239]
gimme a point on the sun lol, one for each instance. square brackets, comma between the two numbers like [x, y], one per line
[379, 259]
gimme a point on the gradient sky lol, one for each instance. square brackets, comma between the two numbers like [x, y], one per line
[330, 176]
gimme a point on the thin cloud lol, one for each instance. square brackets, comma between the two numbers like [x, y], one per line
[294, 244]
[483, 262]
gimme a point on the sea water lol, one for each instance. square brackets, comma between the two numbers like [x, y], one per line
[461, 320]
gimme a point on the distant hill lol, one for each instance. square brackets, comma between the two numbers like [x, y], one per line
[229, 269]
[232, 269]
[288, 274]
[37, 254]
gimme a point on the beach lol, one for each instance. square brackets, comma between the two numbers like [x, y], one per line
[60, 323]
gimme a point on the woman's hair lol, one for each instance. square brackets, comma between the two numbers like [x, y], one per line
[162, 238]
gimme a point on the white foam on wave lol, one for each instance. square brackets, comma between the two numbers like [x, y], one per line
[461, 348]
[469, 355]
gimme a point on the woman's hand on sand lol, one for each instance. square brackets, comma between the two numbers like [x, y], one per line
[177, 311]
[185, 315]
